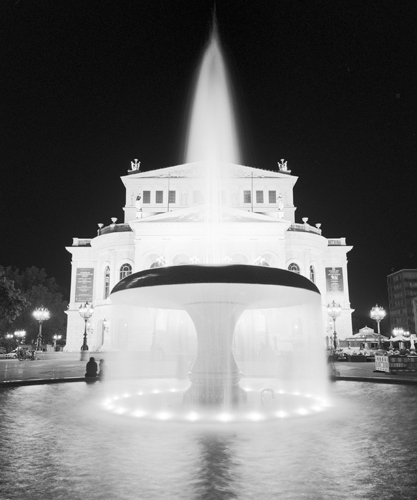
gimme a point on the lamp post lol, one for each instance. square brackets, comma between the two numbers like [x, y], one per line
[56, 337]
[86, 311]
[41, 314]
[19, 334]
[334, 310]
[398, 331]
[378, 314]
[9, 337]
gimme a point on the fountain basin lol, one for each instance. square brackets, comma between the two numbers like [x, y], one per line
[214, 297]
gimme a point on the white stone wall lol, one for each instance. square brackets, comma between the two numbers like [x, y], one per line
[244, 238]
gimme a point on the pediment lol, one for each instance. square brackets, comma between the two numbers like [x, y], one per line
[195, 170]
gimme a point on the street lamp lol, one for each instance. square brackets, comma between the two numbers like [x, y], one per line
[19, 334]
[398, 331]
[86, 311]
[9, 337]
[378, 314]
[334, 310]
[56, 337]
[41, 314]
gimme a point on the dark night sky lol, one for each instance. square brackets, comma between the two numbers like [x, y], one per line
[86, 86]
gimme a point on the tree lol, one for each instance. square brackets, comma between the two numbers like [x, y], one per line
[12, 301]
[38, 290]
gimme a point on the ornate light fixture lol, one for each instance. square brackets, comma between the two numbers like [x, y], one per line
[378, 314]
[56, 337]
[86, 311]
[398, 331]
[334, 310]
[41, 314]
[19, 334]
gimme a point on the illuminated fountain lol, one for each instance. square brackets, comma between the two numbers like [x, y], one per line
[218, 297]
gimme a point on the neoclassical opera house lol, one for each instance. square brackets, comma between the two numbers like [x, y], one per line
[164, 226]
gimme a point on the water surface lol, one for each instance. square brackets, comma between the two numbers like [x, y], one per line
[57, 442]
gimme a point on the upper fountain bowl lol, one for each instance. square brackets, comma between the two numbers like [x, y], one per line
[256, 287]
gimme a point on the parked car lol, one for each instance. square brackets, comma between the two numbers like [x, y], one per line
[10, 355]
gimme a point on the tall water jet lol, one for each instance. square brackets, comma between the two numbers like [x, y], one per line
[212, 136]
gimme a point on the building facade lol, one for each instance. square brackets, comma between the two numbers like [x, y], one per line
[164, 225]
[402, 299]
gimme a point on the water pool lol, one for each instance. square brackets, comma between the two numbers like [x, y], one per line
[58, 442]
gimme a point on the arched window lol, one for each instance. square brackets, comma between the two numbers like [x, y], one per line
[312, 274]
[160, 262]
[125, 270]
[294, 268]
[261, 261]
[106, 282]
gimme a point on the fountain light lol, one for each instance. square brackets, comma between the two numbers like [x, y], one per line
[225, 417]
[281, 414]
[378, 314]
[193, 416]
[163, 415]
[256, 417]
[317, 408]
[86, 311]
[41, 314]
[334, 310]
[139, 413]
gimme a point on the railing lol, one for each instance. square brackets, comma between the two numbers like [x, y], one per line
[306, 228]
[81, 242]
[115, 228]
[336, 242]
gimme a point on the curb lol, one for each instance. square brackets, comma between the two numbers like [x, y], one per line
[378, 380]
[42, 381]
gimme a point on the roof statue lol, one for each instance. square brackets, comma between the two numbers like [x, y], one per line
[135, 165]
[282, 165]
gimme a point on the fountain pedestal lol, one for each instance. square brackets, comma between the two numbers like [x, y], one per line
[215, 374]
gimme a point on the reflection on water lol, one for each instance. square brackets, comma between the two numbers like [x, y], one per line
[57, 442]
[217, 470]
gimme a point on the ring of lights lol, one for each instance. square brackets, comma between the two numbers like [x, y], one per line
[141, 405]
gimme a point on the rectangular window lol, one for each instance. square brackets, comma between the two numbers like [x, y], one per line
[259, 196]
[272, 196]
[247, 197]
[171, 196]
[159, 197]
[146, 197]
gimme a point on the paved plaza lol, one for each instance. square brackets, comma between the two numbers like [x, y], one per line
[67, 367]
